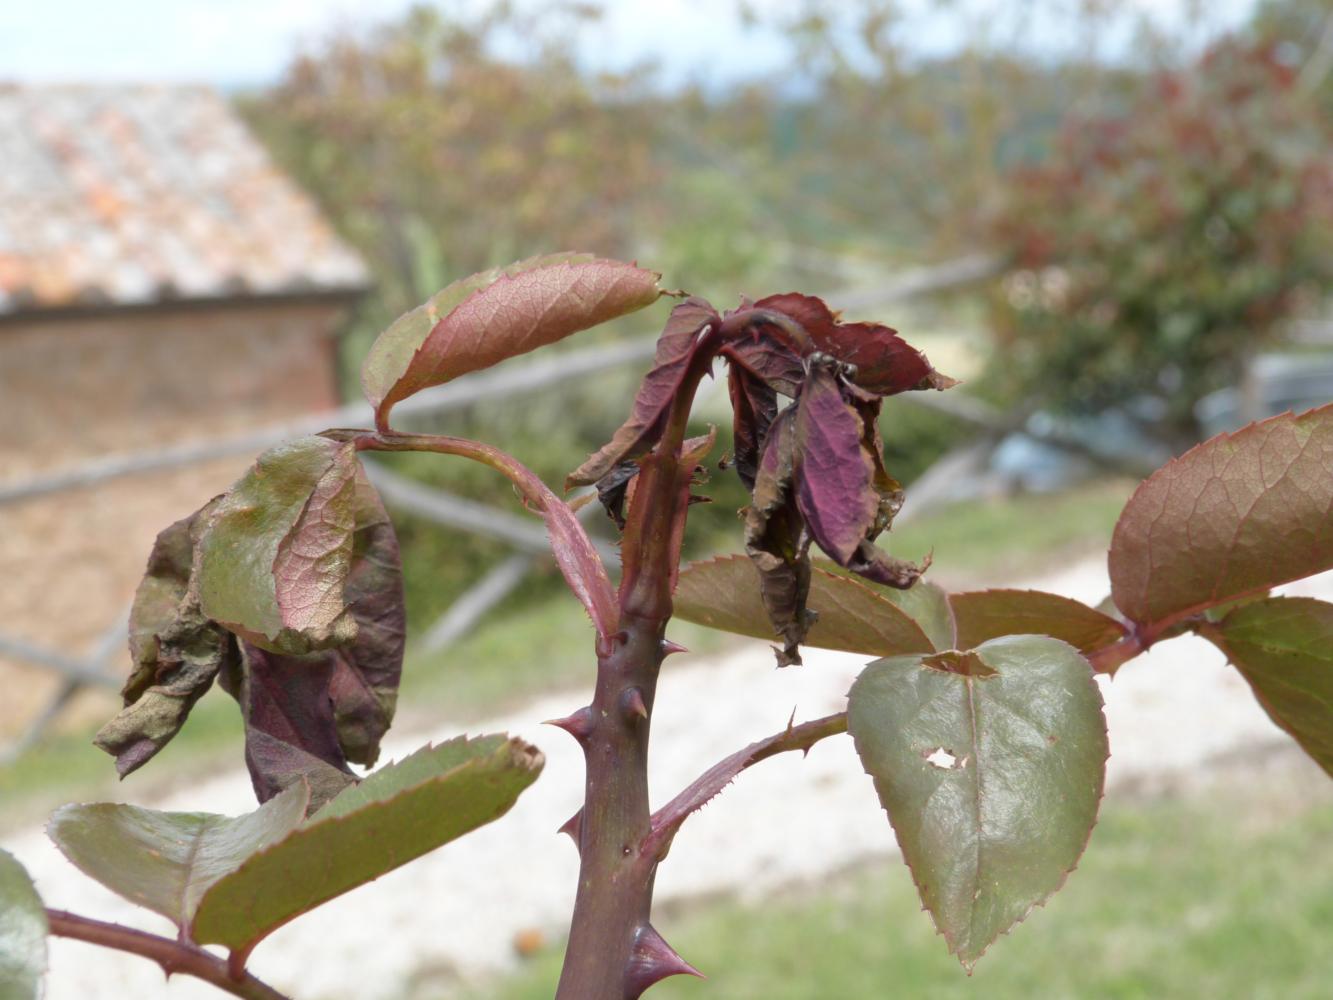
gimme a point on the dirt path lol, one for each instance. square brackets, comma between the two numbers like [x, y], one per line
[456, 912]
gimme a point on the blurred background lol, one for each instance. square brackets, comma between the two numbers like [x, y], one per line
[1112, 220]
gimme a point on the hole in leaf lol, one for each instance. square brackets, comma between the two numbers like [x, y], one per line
[943, 759]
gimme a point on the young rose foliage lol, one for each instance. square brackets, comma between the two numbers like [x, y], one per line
[814, 465]
[288, 590]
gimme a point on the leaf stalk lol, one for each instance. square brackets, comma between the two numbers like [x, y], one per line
[173, 956]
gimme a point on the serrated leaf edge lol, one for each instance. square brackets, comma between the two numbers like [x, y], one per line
[950, 942]
[518, 750]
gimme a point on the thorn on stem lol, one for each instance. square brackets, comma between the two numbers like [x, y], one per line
[633, 704]
[577, 724]
[574, 827]
[651, 961]
[669, 647]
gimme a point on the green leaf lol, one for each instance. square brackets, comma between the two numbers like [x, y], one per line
[990, 765]
[274, 558]
[1284, 647]
[723, 593]
[166, 861]
[482, 320]
[22, 933]
[927, 604]
[399, 813]
[989, 614]
[1238, 514]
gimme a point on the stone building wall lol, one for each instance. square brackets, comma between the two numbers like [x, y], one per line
[75, 390]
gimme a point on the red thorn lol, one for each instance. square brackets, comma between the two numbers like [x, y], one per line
[574, 827]
[577, 724]
[651, 961]
[669, 647]
[633, 703]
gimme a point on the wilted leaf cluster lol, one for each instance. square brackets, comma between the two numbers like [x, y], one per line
[287, 590]
[814, 465]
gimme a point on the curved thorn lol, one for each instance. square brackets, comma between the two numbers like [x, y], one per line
[651, 961]
[574, 827]
[577, 724]
[633, 704]
[669, 647]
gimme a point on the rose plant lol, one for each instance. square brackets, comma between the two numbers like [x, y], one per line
[978, 720]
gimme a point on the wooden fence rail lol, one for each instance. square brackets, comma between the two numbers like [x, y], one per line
[525, 537]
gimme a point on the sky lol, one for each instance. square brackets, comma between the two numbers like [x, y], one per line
[247, 43]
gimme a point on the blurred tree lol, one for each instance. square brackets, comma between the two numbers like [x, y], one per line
[909, 113]
[443, 143]
[1304, 31]
[1160, 247]
[438, 157]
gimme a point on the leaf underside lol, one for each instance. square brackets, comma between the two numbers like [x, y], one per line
[399, 813]
[23, 932]
[723, 593]
[991, 780]
[166, 861]
[1283, 647]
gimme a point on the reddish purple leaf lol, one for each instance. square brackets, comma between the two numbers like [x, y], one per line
[290, 731]
[366, 673]
[777, 540]
[1232, 517]
[754, 405]
[312, 561]
[307, 714]
[885, 363]
[843, 492]
[769, 361]
[652, 404]
[833, 471]
[499, 314]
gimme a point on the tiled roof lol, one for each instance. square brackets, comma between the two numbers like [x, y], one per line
[138, 194]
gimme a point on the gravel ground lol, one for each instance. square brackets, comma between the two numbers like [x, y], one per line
[456, 913]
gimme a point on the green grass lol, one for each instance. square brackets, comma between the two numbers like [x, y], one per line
[1223, 895]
